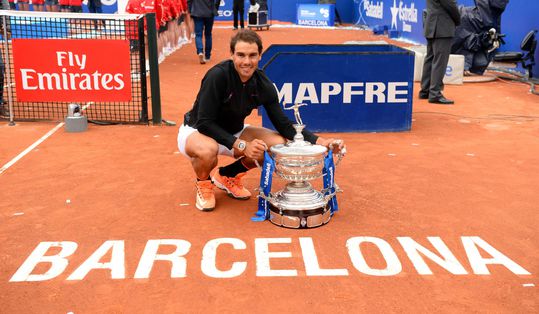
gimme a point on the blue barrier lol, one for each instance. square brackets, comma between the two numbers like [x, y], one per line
[349, 88]
[277, 48]
[21, 27]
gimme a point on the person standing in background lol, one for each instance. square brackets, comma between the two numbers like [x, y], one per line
[237, 10]
[94, 6]
[76, 6]
[38, 5]
[203, 13]
[51, 5]
[439, 22]
[64, 5]
[23, 5]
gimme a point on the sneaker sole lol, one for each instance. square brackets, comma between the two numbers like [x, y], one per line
[222, 187]
[201, 60]
[204, 209]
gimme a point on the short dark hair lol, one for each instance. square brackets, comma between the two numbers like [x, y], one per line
[248, 36]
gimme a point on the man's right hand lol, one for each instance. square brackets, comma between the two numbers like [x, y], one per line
[255, 149]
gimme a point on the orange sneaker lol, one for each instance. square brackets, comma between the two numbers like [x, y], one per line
[205, 197]
[233, 186]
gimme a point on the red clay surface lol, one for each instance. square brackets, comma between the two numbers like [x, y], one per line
[465, 170]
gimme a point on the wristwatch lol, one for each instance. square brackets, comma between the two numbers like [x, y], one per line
[241, 145]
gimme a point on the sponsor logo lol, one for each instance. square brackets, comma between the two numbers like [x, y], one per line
[324, 12]
[404, 14]
[72, 70]
[307, 13]
[374, 10]
[313, 22]
[346, 92]
[267, 173]
[449, 71]
[224, 13]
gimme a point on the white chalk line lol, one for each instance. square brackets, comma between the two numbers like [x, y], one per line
[30, 148]
[43, 138]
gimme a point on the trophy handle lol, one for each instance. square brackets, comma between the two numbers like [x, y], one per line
[341, 154]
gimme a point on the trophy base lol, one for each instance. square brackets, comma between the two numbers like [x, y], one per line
[299, 206]
[299, 219]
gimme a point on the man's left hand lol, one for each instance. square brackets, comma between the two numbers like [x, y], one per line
[336, 144]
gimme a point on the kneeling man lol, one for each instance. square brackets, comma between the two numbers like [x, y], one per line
[215, 125]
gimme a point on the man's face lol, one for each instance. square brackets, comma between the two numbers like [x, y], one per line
[245, 58]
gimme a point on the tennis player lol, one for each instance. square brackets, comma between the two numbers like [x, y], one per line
[215, 125]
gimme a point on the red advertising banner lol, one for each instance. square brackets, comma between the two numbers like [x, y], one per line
[72, 70]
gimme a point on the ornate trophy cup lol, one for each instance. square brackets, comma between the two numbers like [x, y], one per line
[298, 205]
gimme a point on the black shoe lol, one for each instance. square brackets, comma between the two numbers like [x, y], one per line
[441, 100]
[423, 96]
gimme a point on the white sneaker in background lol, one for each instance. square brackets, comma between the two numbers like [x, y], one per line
[201, 58]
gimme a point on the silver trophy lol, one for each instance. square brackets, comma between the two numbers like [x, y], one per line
[299, 205]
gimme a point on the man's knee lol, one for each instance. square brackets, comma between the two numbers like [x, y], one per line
[203, 150]
[207, 153]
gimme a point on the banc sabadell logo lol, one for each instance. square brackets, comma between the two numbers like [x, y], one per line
[404, 13]
[370, 8]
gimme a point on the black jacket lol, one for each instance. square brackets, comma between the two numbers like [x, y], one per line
[223, 103]
[440, 18]
[203, 8]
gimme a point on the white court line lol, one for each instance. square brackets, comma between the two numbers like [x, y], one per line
[43, 138]
[29, 149]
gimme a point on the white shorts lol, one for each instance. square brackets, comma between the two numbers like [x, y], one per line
[185, 131]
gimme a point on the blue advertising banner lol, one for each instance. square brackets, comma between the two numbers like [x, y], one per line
[347, 88]
[316, 14]
[400, 15]
[405, 16]
[224, 13]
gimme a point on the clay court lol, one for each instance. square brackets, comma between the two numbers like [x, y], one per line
[465, 175]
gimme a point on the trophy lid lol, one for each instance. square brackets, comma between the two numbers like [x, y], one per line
[303, 150]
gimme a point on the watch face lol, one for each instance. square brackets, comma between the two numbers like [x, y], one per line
[241, 145]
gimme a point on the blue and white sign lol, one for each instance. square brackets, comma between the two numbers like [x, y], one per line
[348, 88]
[403, 16]
[225, 13]
[316, 14]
